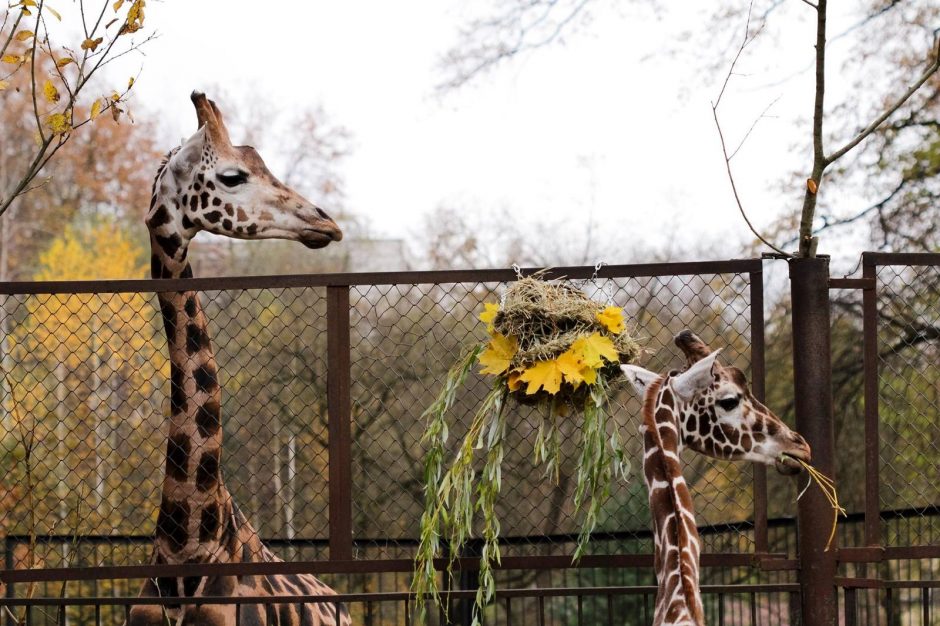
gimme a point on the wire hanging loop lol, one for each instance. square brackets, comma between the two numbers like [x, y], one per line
[518, 270]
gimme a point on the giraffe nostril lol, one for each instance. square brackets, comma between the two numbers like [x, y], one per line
[322, 214]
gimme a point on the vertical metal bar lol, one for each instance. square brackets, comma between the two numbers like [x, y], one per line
[812, 382]
[370, 617]
[753, 609]
[851, 606]
[610, 609]
[338, 385]
[925, 605]
[508, 610]
[407, 612]
[580, 610]
[8, 566]
[238, 615]
[872, 438]
[97, 615]
[889, 605]
[541, 601]
[796, 617]
[721, 608]
[758, 374]
[337, 609]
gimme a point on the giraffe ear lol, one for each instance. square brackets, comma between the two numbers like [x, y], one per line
[639, 377]
[189, 154]
[697, 378]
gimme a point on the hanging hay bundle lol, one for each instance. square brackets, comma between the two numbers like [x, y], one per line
[549, 345]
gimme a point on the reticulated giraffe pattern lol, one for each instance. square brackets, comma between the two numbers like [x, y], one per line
[710, 409]
[209, 184]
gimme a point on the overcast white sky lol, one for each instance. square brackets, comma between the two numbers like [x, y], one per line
[601, 125]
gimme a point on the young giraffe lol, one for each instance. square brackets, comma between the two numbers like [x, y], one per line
[209, 184]
[710, 409]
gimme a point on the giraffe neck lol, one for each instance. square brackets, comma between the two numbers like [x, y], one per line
[195, 505]
[676, 539]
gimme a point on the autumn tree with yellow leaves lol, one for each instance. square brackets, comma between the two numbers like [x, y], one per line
[83, 371]
[56, 79]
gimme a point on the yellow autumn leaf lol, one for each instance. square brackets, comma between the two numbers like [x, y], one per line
[514, 381]
[59, 123]
[92, 44]
[130, 82]
[115, 96]
[498, 354]
[95, 109]
[64, 61]
[23, 35]
[4, 84]
[611, 318]
[594, 349]
[571, 366]
[589, 374]
[117, 5]
[50, 92]
[545, 375]
[28, 3]
[490, 309]
[12, 59]
[55, 13]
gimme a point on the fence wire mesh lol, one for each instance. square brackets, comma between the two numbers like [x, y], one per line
[909, 399]
[85, 404]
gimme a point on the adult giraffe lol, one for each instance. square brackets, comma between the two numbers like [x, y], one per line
[209, 184]
[710, 409]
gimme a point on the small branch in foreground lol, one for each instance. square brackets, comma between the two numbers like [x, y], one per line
[724, 149]
[734, 189]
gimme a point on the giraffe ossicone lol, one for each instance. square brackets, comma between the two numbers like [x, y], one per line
[709, 408]
[209, 184]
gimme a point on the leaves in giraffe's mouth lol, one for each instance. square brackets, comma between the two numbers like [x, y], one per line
[826, 485]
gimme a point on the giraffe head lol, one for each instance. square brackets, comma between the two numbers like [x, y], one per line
[716, 412]
[209, 184]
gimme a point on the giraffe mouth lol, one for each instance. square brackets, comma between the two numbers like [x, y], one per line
[315, 239]
[788, 463]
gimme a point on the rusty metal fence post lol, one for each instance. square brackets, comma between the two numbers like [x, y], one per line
[339, 411]
[812, 382]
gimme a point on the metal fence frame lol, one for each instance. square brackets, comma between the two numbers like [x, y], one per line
[814, 568]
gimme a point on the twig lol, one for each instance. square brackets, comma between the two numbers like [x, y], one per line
[724, 149]
[753, 125]
[930, 71]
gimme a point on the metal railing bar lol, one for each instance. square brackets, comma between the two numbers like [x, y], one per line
[348, 567]
[394, 596]
[219, 283]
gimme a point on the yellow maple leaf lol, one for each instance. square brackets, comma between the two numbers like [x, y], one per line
[611, 318]
[514, 381]
[594, 349]
[589, 374]
[571, 367]
[95, 109]
[498, 354]
[23, 35]
[50, 92]
[490, 309]
[545, 375]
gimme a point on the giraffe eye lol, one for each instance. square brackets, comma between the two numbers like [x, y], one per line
[233, 178]
[728, 404]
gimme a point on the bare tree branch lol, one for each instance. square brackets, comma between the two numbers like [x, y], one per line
[878, 121]
[519, 27]
[724, 150]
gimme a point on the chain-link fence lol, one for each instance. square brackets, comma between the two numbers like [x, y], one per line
[324, 381]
